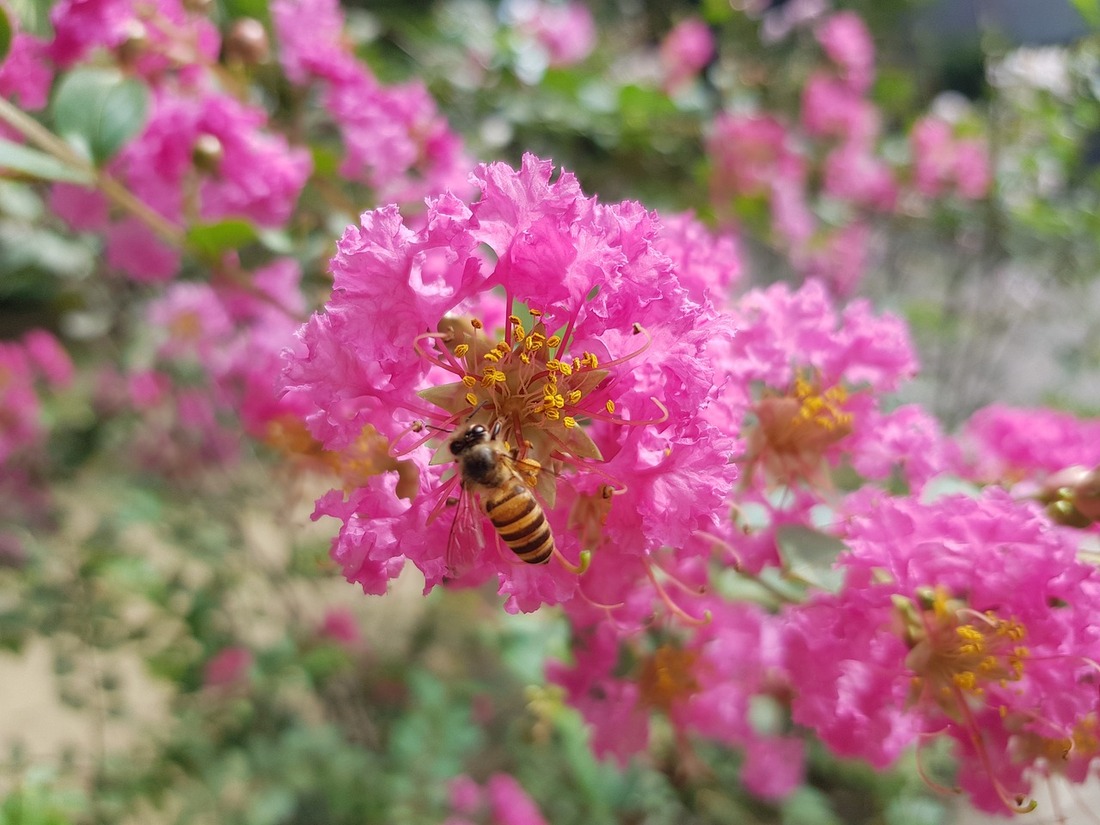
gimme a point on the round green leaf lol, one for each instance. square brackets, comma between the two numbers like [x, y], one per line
[99, 110]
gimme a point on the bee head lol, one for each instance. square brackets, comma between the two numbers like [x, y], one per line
[474, 434]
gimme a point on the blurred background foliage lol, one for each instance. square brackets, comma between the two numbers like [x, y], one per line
[187, 651]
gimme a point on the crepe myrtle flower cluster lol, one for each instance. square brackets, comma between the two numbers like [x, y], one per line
[215, 348]
[549, 318]
[970, 618]
[394, 138]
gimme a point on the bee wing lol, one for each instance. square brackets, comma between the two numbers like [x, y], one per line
[467, 538]
[541, 479]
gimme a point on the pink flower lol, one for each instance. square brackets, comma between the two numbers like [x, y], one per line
[311, 41]
[20, 421]
[745, 152]
[709, 264]
[854, 174]
[907, 442]
[191, 321]
[608, 373]
[973, 175]
[84, 209]
[847, 42]
[565, 31]
[341, 626]
[831, 108]
[134, 249]
[944, 165]
[782, 331]
[228, 668]
[49, 358]
[465, 795]
[509, 803]
[210, 143]
[395, 139]
[152, 38]
[148, 389]
[25, 74]
[1005, 444]
[840, 259]
[774, 766]
[965, 617]
[686, 49]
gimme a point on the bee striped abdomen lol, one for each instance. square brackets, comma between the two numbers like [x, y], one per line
[520, 522]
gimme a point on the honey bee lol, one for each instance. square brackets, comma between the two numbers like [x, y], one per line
[487, 467]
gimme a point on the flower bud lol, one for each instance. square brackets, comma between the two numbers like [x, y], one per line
[134, 42]
[207, 154]
[246, 43]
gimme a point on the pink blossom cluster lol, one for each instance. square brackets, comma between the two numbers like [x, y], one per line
[685, 51]
[202, 157]
[594, 358]
[154, 39]
[564, 32]
[969, 618]
[36, 362]
[944, 164]
[500, 801]
[704, 679]
[1005, 445]
[32, 369]
[395, 140]
[217, 354]
[825, 179]
[758, 156]
[26, 72]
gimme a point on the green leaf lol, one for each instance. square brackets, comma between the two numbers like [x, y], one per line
[1090, 10]
[15, 157]
[810, 554]
[99, 110]
[6, 34]
[210, 240]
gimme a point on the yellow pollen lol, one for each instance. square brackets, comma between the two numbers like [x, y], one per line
[553, 341]
[569, 421]
[590, 360]
[492, 355]
[492, 377]
[469, 381]
[503, 348]
[534, 341]
[667, 677]
[574, 396]
[519, 332]
[461, 350]
[525, 358]
[610, 406]
[552, 414]
[476, 324]
[954, 650]
[535, 313]
[513, 320]
[471, 399]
